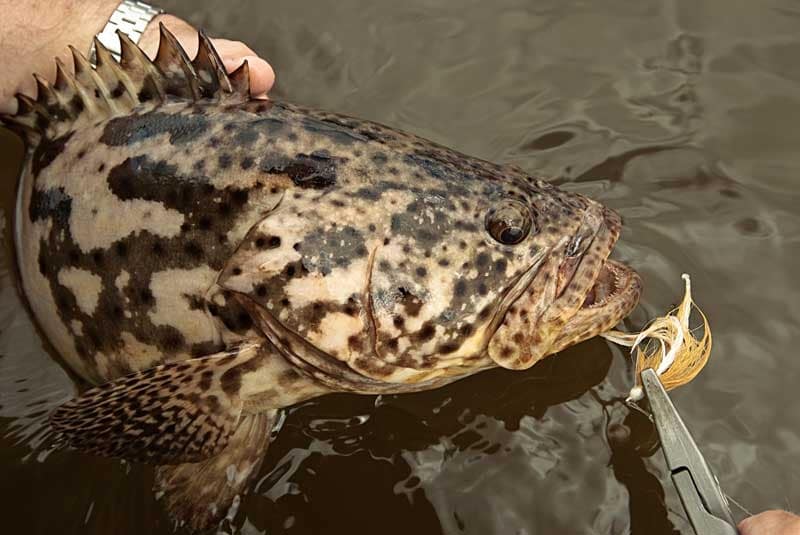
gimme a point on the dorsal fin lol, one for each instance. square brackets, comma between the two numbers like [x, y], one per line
[240, 80]
[148, 82]
[31, 107]
[95, 94]
[45, 95]
[210, 69]
[65, 90]
[88, 85]
[57, 107]
[121, 94]
[25, 122]
[180, 77]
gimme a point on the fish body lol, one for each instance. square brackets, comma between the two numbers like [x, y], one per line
[208, 259]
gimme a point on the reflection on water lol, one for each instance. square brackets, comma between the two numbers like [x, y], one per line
[681, 115]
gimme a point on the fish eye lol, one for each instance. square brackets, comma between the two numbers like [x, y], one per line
[509, 223]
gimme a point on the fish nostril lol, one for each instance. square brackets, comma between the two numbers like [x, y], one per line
[574, 247]
[583, 238]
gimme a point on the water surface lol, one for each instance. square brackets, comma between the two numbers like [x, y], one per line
[681, 115]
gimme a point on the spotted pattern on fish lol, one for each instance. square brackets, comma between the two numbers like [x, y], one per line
[206, 259]
[367, 241]
[161, 221]
[393, 264]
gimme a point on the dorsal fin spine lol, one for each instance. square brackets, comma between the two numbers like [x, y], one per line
[121, 96]
[66, 91]
[211, 69]
[113, 88]
[44, 93]
[40, 118]
[240, 81]
[144, 74]
[174, 64]
[90, 86]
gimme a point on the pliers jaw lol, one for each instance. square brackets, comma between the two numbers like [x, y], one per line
[698, 488]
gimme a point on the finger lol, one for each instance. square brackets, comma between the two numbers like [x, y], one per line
[232, 49]
[774, 522]
[8, 106]
[233, 53]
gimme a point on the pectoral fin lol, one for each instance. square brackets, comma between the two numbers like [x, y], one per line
[199, 495]
[175, 413]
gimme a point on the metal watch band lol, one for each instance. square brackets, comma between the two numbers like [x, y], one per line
[131, 18]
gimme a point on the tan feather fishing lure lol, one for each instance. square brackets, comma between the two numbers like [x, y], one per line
[669, 345]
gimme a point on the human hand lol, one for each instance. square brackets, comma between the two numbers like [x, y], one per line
[771, 523]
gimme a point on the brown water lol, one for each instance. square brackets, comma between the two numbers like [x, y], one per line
[682, 115]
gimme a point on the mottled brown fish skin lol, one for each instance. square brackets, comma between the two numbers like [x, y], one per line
[177, 188]
[139, 214]
[126, 231]
[230, 257]
[370, 255]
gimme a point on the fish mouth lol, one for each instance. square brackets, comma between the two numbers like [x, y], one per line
[575, 293]
[607, 292]
[611, 298]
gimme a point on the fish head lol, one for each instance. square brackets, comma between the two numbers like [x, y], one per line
[573, 291]
[411, 262]
[498, 268]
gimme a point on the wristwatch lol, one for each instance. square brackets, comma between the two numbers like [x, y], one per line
[131, 18]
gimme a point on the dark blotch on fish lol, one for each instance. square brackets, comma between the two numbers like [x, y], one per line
[414, 224]
[130, 129]
[315, 171]
[247, 133]
[142, 178]
[53, 203]
[334, 248]
[331, 129]
[47, 151]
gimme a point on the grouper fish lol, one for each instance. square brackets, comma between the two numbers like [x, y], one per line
[205, 259]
